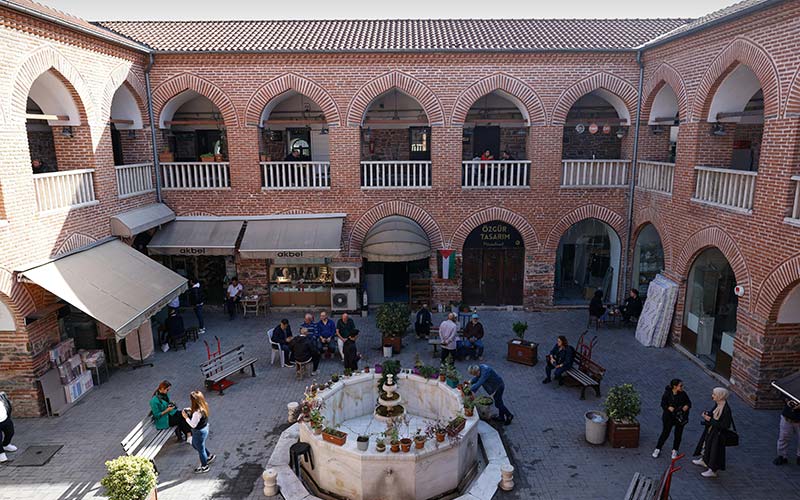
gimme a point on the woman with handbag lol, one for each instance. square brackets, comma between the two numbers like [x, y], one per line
[675, 404]
[197, 418]
[717, 435]
[166, 414]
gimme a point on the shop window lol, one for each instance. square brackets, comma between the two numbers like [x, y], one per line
[587, 260]
[648, 258]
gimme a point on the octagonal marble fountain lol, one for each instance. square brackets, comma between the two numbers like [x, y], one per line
[353, 405]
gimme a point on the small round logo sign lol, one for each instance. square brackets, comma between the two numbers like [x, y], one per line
[579, 128]
[593, 128]
[606, 129]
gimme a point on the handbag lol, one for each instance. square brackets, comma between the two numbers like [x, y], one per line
[681, 417]
[730, 437]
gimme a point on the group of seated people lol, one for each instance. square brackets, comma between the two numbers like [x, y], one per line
[315, 339]
[488, 156]
[459, 343]
[630, 309]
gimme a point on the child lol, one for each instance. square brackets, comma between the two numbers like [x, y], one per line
[351, 355]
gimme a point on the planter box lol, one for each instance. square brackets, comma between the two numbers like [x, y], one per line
[524, 352]
[395, 342]
[166, 157]
[207, 159]
[623, 435]
[338, 441]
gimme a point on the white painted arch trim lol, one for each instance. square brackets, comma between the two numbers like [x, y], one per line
[616, 102]
[174, 104]
[125, 107]
[734, 93]
[665, 104]
[54, 98]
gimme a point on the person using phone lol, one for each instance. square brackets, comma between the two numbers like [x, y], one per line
[165, 413]
[675, 404]
[711, 448]
[197, 418]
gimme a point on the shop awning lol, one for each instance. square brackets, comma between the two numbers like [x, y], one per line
[396, 239]
[292, 237]
[139, 220]
[111, 282]
[789, 386]
[194, 237]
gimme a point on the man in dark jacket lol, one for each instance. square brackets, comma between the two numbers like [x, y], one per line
[197, 299]
[473, 333]
[789, 431]
[422, 325]
[6, 427]
[351, 355]
[559, 359]
[174, 324]
[282, 335]
[303, 349]
[632, 307]
[485, 376]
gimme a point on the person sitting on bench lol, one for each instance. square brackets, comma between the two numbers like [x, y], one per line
[351, 355]
[473, 334]
[560, 359]
[632, 307]
[303, 349]
[282, 335]
[166, 414]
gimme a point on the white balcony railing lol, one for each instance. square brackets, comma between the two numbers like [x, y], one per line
[295, 175]
[196, 175]
[395, 174]
[495, 174]
[594, 173]
[66, 189]
[134, 179]
[655, 176]
[795, 217]
[726, 188]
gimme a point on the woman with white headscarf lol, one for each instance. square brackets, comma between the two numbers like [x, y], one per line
[711, 448]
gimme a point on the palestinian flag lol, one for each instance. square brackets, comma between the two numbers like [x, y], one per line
[448, 268]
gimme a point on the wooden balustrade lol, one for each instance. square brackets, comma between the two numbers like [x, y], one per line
[295, 175]
[195, 175]
[67, 189]
[726, 188]
[395, 174]
[134, 179]
[594, 173]
[495, 174]
[655, 176]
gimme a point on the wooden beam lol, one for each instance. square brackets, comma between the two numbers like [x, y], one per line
[665, 120]
[37, 116]
[395, 122]
[504, 121]
[193, 122]
[740, 114]
[599, 122]
[121, 121]
[294, 122]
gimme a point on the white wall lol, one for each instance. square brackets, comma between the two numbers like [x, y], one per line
[790, 309]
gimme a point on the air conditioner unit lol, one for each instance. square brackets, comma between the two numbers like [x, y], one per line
[344, 299]
[345, 273]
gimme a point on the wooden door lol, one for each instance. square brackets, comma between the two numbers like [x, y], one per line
[471, 275]
[492, 287]
[513, 276]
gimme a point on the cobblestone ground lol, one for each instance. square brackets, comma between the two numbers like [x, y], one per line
[546, 439]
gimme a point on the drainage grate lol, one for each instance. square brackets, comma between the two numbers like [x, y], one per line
[35, 456]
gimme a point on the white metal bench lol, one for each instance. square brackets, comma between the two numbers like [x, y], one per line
[145, 440]
[218, 368]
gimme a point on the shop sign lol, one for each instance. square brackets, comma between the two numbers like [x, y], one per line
[494, 235]
[606, 129]
[593, 128]
[288, 254]
[192, 251]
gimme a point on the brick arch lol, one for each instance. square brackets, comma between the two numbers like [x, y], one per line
[607, 81]
[740, 51]
[197, 213]
[187, 81]
[401, 81]
[499, 81]
[122, 75]
[779, 282]
[396, 207]
[37, 63]
[73, 242]
[296, 211]
[301, 85]
[792, 108]
[15, 295]
[610, 217]
[491, 214]
[715, 237]
[665, 75]
[650, 215]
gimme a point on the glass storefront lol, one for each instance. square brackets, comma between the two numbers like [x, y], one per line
[648, 258]
[587, 260]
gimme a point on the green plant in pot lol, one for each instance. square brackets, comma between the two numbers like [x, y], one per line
[519, 328]
[622, 405]
[393, 319]
[129, 478]
[207, 157]
[521, 350]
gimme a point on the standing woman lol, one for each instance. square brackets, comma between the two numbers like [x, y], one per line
[197, 418]
[675, 404]
[711, 447]
[165, 413]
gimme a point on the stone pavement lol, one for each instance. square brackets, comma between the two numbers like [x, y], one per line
[545, 441]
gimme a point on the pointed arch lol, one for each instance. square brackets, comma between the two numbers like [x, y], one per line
[403, 82]
[187, 81]
[665, 75]
[122, 75]
[739, 51]
[528, 98]
[38, 62]
[606, 81]
[396, 207]
[18, 298]
[301, 85]
[591, 211]
[461, 233]
[777, 284]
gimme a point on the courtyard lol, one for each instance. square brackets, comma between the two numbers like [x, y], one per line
[545, 442]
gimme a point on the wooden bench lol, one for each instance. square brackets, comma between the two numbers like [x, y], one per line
[145, 440]
[587, 373]
[219, 367]
[642, 487]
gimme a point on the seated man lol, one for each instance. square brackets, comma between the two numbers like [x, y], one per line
[473, 335]
[326, 329]
[560, 359]
[351, 355]
[423, 322]
[632, 307]
[310, 325]
[303, 349]
[596, 307]
[282, 335]
[174, 326]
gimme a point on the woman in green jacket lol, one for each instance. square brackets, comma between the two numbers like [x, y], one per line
[166, 414]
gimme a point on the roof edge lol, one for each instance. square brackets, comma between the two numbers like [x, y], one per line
[622, 50]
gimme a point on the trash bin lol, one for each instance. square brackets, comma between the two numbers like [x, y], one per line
[387, 351]
[596, 422]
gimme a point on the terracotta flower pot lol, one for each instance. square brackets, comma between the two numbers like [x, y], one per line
[419, 443]
[366, 369]
[405, 444]
[395, 446]
[469, 411]
[442, 377]
[334, 439]
[440, 437]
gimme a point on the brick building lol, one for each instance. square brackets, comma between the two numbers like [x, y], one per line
[543, 154]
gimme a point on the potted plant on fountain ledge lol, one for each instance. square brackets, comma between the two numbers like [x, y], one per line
[521, 350]
[393, 320]
[334, 436]
[622, 406]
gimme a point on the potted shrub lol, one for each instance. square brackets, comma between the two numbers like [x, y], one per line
[317, 421]
[622, 406]
[419, 439]
[393, 320]
[380, 444]
[362, 442]
[437, 430]
[394, 439]
[348, 372]
[129, 478]
[206, 157]
[405, 444]
[166, 156]
[521, 350]
[484, 406]
[334, 436]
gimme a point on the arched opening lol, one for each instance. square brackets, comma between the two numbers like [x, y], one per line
[789, 310]
[648, 258]
[52, 117]
[494, 144]
[130, 144]
[709, 325]
[662, 143]
[395, 143]
[294, 143]
[396, 251]
[493, 265]
[193, 129]
[587, 259]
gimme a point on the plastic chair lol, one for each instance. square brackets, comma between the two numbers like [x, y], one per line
[297, 452]
[276, 350]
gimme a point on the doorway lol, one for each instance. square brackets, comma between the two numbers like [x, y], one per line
[493, 265]
[587, 260]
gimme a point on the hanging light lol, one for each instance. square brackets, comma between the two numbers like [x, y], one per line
[66, 131]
